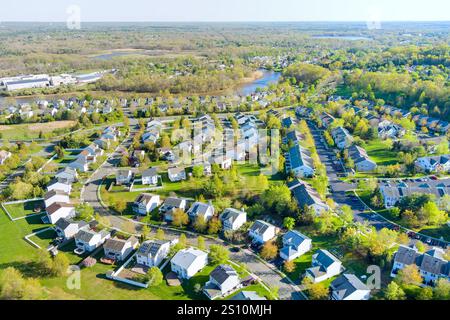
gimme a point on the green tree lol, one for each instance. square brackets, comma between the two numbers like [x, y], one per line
[179, 218]
[394, 292]
[269, 251]
[201, 243]
[289, 223]
[409, 275]
[214, 226]
[155, 277]
[218, 254]
[60, 264]
[200, 224]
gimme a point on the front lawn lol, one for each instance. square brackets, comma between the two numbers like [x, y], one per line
[378, 152]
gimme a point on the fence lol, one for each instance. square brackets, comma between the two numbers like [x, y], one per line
[114, 275]
[20, 201]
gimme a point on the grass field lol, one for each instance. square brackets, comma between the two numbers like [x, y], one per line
[32, 130]
[17, 210]
[44, 239]
[379, 153]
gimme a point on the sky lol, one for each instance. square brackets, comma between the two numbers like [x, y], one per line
[226, 10]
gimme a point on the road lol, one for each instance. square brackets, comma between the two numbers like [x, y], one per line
[266, 272]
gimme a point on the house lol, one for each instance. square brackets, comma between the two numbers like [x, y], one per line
[187, 262]
[326, 119]
[60, 184]
[295, 244]
[123, 177]
[81, 164]
[152, 253]
[223, 280]
[67, 228]
[118, 249]
[102, 143]
[224, 161]
[233, 219]
[89, 240]
[361, 159]
[299, 162]
[58, 210]
[176, 174]
[349, 287]
[56, 196]
[68, 173]
[434, 163]
[388, 129]
[150, 176]
[145, 203]
[262, 232]
[287, 122]
[4, 155]
[324, 266]
[171, 204]
[248, 295]
[150, 136]
[306, 196]
[342, 138]
[432, 264]
[201, 209]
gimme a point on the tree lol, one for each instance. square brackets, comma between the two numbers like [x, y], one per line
[179, 218]
[160, 235]
[394, 292]
[409, 275]
[120, 206]
[420, 246]
[442, 289]
[14, 286]
[124, 161]
[432, 215]
[200, 224]
[347, 213]
[289, 266]
[201, 243]
[155, 276]
[218, 254]
[197, 171]
[84, 211]
[182, 241]
[269, 251]
[289, 223]
[60, 264]
[214, 226]
[145, 232]
[403, 238]
[425, 294]
[316, 291]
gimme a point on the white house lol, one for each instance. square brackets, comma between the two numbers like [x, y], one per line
[67, 229]
[56, 196]
[176, 174]
[298, 161]
[434, 164]
[349, 287]
[233, 219]
[342, 138]
[60, 184]
[68, 173]
[361, 160]
[223, 161]
[89, 240]
[118, 249]
[123, 177]
[324, 266]
[58, 210]
[150, 177]
[306, 196]
[152, 253]
[295, 244]
[145, 203]
[187, 262]
[4, 155]
[223, 280]
[200, 208]
[170, 204]
[432, 264]
[80, 164]
[262, 231]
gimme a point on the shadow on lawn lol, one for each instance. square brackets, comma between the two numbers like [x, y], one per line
[30, 269]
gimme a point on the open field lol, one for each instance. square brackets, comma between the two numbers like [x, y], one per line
[31, 131]
[379, 153]
[18, 210]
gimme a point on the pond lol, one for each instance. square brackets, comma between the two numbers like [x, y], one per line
[269, 77]
[350, 38]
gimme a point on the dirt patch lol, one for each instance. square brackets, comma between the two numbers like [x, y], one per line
[38, 127]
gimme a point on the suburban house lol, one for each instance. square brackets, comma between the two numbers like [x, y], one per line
[326, 119]
[223, 280]
[68, 173]
[324, 266]
[432, 264]
[150, 136]
[89, 240]
[298, 161]
[152, 253]
[223, 161]
[295, 244]
[123, 177]
[287, 122]
[292, 136]
[81, 164]
[145, 203]
[248, 295]
[4, 155]
[342, 138]
[306, 196]
[150, 176]
[102, 143]
[169, 205]
[200, 208]
[187, 262]
[233, 219]
[433, 164]
[67, 229]
[361, 159]
[118, 249]
[60, 184]
[176, 174]
[55, 196]
[388, 129]
[349, 287]
[58, 210]
[262, 231]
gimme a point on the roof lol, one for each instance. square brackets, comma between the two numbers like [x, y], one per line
[59, 180]
[231, 214]
[260, 227]
[151, 247]
[199, 208]
[185, 258]
[306, 195]
[299, 157]
[175, 170]
[51, 209]
[85, 235]
[63, 223]
[116, 244]
[150, 172]
[173, 202]
[222, 272]
[325, 258]
[294, 238]
[346, 284]
[55, 192]
[144, 198]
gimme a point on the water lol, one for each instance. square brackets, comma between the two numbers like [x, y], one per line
[351, 38]
[109, 56]
[268, 78]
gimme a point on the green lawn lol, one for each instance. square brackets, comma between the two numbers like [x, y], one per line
[44, 239]
[17, 210]
[379, 153]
